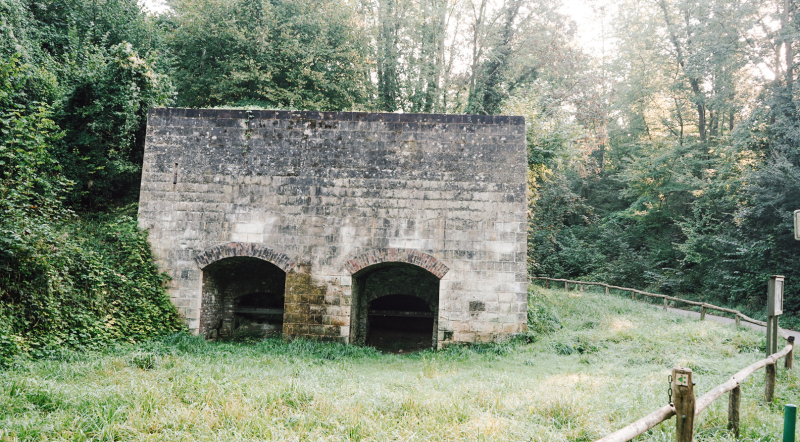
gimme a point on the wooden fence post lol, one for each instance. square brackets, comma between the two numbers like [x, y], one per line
[738, 320]
[581, 287]
[772, 334]
[769, 383]
[633, 294]
[703, 313]
[665, 304]
[606, 290]
[547, 283]
[789, 362]
[566, 286]
[734, 402]
[769, 335]
[683, 398]
[775, 334]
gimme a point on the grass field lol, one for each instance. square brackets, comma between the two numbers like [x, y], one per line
[603, 364]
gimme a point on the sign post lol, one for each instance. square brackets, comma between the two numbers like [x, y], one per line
[684, 402]
[797, 224]
[774, 309]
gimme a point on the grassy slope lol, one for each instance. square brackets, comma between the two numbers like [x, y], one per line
[621, 355]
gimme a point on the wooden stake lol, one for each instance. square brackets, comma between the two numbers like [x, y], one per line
[703, 313]
[788, 362]
[606, 290]
[769, 335]
[633, 294]
[581, 287]
[665, 304]
[734, 403]
[684, 400]
[769, 384]
[738, 320]
[547, 283]
[566, 286]
[775, 328]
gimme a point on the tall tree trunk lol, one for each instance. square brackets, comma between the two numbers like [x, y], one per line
[435, 31]
[701, 108]
[787, 42]
[713, 124]
[448, 68]
[473, 104]
[693, 82]
[492, 72]
[388, 29]
[679, 114]
[787, 31]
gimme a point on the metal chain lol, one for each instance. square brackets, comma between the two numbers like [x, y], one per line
[669, 389]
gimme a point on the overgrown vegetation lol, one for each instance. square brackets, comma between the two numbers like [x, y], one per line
[79, 284]
[604, 366]
[679, 175]
[667, 161]
[71, 279]
[296, 54]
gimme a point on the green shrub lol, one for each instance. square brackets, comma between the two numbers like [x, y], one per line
[103, 116]
[81, 284]
[542, 316]
[144, 361]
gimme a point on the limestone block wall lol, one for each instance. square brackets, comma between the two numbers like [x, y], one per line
[325, 195]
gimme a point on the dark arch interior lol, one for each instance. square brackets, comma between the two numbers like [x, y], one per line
[400, 302]
[399, 323]
[395, 308]
[260, 300]
[242, 296]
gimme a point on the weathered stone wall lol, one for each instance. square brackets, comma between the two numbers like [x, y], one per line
[325, 195]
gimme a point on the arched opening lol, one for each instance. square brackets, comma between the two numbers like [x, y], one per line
[395, 307]
[242, 295]
[399, 323]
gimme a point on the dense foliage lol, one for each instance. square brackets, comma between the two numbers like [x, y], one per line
[687, 182]
[103, 115]
[78, 284]
[70, 279]
[299, 54]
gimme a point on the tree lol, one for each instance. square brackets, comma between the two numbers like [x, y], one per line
[414, 52]
[104, 115]
[512, 46]
[299, 54]
[59, 24]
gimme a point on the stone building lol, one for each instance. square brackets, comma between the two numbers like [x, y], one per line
[366, 228]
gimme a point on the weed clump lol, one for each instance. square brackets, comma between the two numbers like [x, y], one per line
[144, 361]
[542, 316]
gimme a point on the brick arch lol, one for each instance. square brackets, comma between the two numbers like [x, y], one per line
[248, 249]
[409, 256]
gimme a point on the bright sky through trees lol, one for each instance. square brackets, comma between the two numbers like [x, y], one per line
[590, 17]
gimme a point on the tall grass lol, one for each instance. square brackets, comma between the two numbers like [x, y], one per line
[595, 364]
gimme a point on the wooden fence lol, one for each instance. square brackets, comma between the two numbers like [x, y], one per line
[739, 316]
[685, 406]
